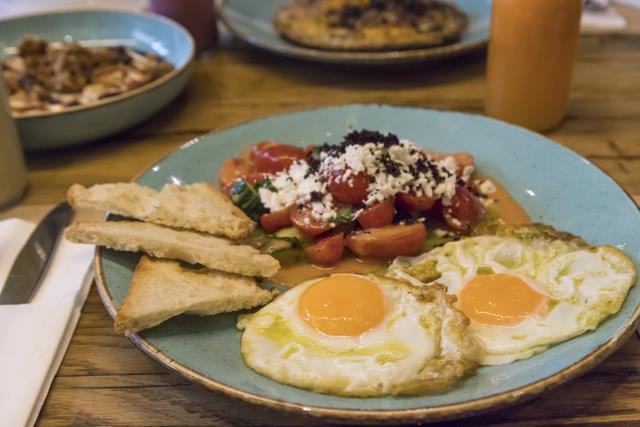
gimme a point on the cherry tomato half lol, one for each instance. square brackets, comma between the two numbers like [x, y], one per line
[255, 177]
[351, 191]
[274, 221]
[378, 215]
[412, 203]
[387, 242]
[272, 156]
[326, 252]
[465, 210]
[308, 225]
[232, 170]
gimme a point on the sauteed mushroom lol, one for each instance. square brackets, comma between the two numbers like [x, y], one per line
[47, 76]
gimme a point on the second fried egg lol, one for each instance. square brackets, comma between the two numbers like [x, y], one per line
[526, 287]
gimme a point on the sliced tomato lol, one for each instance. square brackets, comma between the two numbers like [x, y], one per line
[274, 221]
[273, 156]
[255, 177]
[378, 215]
[326, 252]
[234, 169]
[387, 242]
[350, 191]
[465, 210]
[308, 225]
[412, 203]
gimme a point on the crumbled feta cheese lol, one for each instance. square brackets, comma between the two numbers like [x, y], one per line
[466, 173]
[455, 221]
[401, 167]
[293, 186]
[486, 187]
[439, 232]
[324, 210]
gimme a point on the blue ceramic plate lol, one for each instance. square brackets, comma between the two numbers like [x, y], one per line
[251, 21]
[554, 184]
[143, 32]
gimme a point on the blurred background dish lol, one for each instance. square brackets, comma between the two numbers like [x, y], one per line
[47, 77]
[11, 8]
[372, 25]
[141, 32]
[252, 22]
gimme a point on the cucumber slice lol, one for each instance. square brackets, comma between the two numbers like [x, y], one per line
[258, 238]
[275, 245]
[288, 256]
[291, 233]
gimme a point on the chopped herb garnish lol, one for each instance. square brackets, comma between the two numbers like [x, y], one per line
[344, 215]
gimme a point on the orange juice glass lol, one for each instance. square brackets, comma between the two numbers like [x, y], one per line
[531, 55]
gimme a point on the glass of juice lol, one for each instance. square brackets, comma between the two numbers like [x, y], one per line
[531, 54]
[197, 16]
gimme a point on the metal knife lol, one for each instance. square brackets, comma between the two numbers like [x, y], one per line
[31, 263]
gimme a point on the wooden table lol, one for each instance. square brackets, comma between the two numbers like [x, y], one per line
[105, 380]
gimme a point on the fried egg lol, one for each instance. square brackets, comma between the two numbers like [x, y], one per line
[526, 287]
[353, 335]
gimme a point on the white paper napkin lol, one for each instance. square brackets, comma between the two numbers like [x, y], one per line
[630, 3]
[34, 337]
[607, 19]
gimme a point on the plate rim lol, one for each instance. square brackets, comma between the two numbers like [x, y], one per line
[352, 57]
[176, 72]
[425, 414]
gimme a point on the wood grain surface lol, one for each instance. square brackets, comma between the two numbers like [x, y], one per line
[105, 380]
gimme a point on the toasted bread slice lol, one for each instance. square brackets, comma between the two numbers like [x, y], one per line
[199, 207]
[163, 242]
[161, 289]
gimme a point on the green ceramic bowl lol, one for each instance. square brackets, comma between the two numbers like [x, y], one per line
[251, 21]
[144, 32]
[554, 184]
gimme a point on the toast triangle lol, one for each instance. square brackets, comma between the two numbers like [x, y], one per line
[199, 207]
[163, 242]
[161, 289]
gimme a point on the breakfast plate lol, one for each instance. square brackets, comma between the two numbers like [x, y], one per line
[555, 185]
[141, 32]
[252, 22]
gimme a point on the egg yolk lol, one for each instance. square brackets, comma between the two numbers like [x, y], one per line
[342, 305]
[499, 300]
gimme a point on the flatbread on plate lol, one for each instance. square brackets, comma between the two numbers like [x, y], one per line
[369, 25]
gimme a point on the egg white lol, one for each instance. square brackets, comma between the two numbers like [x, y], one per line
[583, 284]
[421, 345]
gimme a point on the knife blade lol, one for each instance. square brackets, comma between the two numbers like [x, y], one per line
[28, 269]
